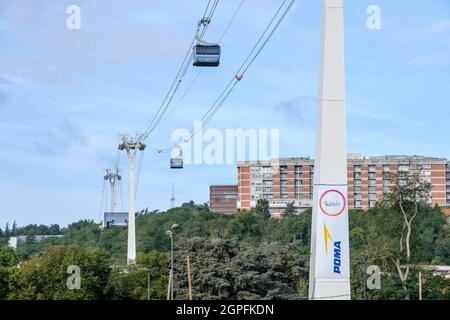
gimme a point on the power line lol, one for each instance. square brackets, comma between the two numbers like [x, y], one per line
[249, 60]
[183, 96]
[231, 21]
[200, 71]
[243, 69]
[181, 75]
[101, 200]
[136, 187]
[154, 122]
[210, 15]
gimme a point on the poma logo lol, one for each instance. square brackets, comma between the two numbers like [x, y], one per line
[336, 249]
[337, 257]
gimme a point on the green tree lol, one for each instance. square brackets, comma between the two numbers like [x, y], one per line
[224, 269]
[408, 194]
[45, 277]
[262, 208]
[8, 261]
[289, 210]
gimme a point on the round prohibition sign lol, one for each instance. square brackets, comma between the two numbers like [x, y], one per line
[328, 192]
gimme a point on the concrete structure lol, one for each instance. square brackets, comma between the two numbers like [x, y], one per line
[329, 273]
[131, 146]
[15, 241]
[290, 179]
[119, 219]
[223, 199]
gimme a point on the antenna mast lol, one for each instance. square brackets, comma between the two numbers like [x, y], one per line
[172, 200]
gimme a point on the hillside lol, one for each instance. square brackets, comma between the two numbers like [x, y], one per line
[239, 256]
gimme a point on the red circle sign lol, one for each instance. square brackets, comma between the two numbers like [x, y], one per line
[332, 203]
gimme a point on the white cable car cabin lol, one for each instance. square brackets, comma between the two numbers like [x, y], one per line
[206, 55]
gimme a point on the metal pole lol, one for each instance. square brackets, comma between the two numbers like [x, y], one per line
[365, 277]
[171, 266]
[188, 267]
[168, 285]
[420, 285]
[148, 285]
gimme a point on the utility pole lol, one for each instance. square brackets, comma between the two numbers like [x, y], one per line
[329, 276]
[420, 285]
[113, 177]
[131, 146]
[188, 268]
[148, 285]
[172, 200]
[171, 233]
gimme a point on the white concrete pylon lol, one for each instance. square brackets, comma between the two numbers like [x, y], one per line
[329, 265]
[131, 245]
[132, 147]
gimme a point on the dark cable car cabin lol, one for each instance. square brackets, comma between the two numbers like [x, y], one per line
[176, 163]
[206, 55]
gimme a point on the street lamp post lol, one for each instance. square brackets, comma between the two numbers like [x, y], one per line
[363, 262]
[148, 285]
[170, 233]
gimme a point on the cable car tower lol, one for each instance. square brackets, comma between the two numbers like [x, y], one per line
[329, 276]
[112, 175]
[131, 146]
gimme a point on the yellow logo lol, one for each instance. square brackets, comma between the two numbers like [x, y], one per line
[326, 237]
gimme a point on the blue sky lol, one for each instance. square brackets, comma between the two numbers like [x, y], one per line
[65, 95]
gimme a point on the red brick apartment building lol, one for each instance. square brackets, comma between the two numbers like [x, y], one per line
[223, 199]
[287, 180]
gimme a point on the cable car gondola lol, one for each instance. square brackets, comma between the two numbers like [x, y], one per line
[205, 54]
[177, 162]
